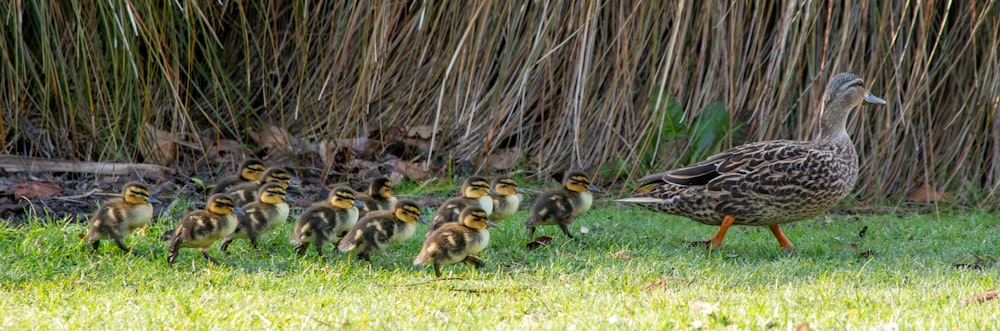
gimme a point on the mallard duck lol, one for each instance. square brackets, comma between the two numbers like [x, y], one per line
[322, 221]
[117, 218]
[247, 192]
[767, 183]
[475, 192]
[378, 229]
[379, 195]
[507, 198]
[250, 171]
[200, 228]
[561, 206]
[260, 216]
[457, 241]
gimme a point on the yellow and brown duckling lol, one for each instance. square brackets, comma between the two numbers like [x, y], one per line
[379, 196]
[378, 229]
[200, 228]
[323, 221]
[767, 183]
[247, 192]
[457, 241]
[561, 206]
[250, 171]
[270, 210]
[117, 218]
[507, 198]
[475, 192]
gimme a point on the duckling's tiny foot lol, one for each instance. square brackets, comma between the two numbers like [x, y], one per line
[700, 243]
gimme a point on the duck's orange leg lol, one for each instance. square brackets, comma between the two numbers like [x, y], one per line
[716, 240]
[782, 240]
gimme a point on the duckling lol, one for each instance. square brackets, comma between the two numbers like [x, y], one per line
[260, 216]
[247, 192]
[117, 218]
[250, 171]
[200, 228]
[379, 196]
[457, 241]
[324, 220]
[475, 192]
[561, 206]
[507, 198]
[767, 183]
[378, 229]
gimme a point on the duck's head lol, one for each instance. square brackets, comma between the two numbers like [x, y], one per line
[273, 193]
[476, 187]
[506, 185]
[381, 187]
[279, 175]
[844, 92]
[344, 197]
[136, 193]
[408, 211]
[223, 204]
[579, 182]
[251, 169]
[476, 218]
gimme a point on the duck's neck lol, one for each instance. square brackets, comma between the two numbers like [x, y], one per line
[833, 125]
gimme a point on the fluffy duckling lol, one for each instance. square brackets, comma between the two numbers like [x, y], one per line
[561, 206]
[507, 198]
[457, 241]
[247, 192]
[200, 228]
[260, 216]
[379, 196]
[378, 229]
[475, 192]
[117, 218]
[250, 171]
[322, 221]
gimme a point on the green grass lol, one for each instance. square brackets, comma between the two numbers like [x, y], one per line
[635, 273]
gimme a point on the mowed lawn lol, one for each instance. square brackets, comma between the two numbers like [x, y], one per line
[635, 272]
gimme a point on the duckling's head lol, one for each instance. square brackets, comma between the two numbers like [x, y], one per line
[505, 186]
[223, 204]
[475, 217]
[381, 187]
[476, 187]
[344, 197]
[136, 193]
[279, 175]
[844, 92]
[408, 211]
[251, 169]
[579, 182]
[272, 194]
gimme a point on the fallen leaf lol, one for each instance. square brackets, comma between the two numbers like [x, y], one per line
[659, 284]
[273, 137]
[927, 193]
[227, 151]
[540, 242]
[706, 308]
[804, 326]
[980, 298]
[416, 171]
[34, 189]
[159, 146]
[504, 159]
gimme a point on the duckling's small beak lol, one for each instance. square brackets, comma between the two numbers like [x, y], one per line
[871, 99]
[294, 182]
[422, 220]
[593, 188]
[153, 200]
[493, 192]
[289, 199]
[238, 211]
[490, 224]
[358, 204]
[520, 190]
